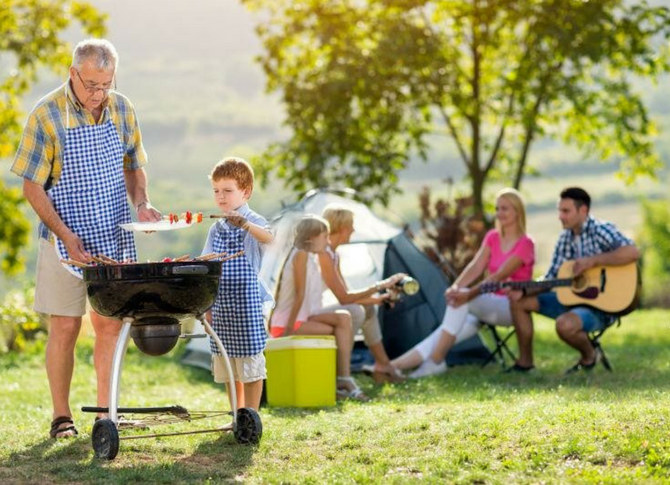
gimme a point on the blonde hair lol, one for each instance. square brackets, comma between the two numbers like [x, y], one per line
[235, 168]
[339, 217]
[309, 227]
[515, 198]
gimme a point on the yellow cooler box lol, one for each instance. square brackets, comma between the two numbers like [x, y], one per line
[301, 371]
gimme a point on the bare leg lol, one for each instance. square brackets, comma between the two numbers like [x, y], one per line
[569, 328]
[523, 323]
[338, 324]
[239, 390]
[444, 345]
[60, 363]
[410, 359]
[252, 394]
[106, 334]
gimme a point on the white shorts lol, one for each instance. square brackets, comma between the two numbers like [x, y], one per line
[245, 369]
[57, 291]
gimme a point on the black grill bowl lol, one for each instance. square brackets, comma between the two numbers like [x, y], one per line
[153, 289]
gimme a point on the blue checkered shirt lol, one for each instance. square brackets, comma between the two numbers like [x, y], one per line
[597, 237]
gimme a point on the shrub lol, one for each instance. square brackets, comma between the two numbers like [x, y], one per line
[452, 231]
[19, 324]
[655, 246]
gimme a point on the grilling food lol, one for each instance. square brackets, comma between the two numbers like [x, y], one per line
[102, 260]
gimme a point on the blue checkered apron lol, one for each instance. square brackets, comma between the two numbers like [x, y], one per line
[237, 314]
[90, 196]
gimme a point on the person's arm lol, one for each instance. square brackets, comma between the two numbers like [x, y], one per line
[459, 292]
[299, 280]
[260, 233]
[620, 256]
[474, 269]
[136, 185]
[332, 276]
[43, 207]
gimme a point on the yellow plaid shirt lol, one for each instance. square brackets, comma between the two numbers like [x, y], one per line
[39, 157]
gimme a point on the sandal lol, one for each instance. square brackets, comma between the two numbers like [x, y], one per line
[354, 393]
[56, 429]
[381, 377]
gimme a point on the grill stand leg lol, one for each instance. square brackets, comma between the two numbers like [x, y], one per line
[229, 369]
[117, 365]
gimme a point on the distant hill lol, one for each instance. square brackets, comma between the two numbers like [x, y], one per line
[189, 69]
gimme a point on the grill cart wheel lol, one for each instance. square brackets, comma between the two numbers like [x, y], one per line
[248, 428]
[105, 439]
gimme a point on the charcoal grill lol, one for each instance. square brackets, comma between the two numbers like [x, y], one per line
[151, 300]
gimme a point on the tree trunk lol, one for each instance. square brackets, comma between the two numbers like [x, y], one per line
[478, 179]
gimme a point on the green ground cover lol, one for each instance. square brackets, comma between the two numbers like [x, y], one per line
[467, 426]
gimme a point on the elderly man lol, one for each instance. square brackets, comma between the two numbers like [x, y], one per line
[80, 154]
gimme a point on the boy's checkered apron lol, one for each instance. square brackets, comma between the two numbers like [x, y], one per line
[237, 314]
[90, 196]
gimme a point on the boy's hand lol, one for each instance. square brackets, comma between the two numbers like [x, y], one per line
[236, 219]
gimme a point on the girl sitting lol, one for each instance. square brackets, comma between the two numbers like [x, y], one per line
[298, 298]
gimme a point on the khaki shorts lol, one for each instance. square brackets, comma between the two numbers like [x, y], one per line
[245, 369]
[57, 291]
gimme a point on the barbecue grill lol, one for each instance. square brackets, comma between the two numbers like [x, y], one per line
[151, 299]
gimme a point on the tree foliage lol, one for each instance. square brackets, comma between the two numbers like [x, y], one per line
[30, 39]
[365, 82]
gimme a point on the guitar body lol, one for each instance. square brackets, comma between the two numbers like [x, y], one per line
[612, 289]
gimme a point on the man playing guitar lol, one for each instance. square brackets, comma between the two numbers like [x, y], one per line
[589, 243]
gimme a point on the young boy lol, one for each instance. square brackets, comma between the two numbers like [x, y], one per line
[237, 314]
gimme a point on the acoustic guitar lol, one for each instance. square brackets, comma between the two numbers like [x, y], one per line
[611, 289]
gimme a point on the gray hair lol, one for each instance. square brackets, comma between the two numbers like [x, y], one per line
[100, 51]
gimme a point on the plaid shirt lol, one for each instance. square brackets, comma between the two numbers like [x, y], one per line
[39, 157]
[597, 237]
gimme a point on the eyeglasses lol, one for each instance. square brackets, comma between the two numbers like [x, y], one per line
[94, 89]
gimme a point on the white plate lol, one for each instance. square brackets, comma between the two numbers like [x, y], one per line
[155, 226]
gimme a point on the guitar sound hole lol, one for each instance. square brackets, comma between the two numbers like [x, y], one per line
[579, 283]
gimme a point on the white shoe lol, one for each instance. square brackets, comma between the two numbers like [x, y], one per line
[429, 368]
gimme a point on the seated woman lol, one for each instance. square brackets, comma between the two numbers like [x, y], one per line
[506, 253]
[298, 296]
[361, 304]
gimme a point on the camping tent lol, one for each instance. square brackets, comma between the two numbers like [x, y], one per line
[377, 250]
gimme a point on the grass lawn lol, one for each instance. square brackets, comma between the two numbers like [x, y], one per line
[466, 426]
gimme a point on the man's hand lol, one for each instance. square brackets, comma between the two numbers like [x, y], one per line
[235, 219]
[147, 213]
[391, 281]
[75, 249]
[581, 265]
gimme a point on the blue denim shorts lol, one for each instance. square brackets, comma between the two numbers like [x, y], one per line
[592, 319]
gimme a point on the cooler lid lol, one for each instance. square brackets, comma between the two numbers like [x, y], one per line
[302, 342]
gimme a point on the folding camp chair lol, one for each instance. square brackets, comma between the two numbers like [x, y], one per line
[594, 338]
[501, 351]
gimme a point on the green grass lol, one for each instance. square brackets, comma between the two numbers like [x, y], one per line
[467, 426]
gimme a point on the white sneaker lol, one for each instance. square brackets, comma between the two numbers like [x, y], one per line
[429, 368]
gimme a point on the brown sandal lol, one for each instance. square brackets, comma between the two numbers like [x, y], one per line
[56, 429]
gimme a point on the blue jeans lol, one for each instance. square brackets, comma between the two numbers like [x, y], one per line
[592, 319]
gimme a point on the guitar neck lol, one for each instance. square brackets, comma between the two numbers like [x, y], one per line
[541, 284]
[520, 285]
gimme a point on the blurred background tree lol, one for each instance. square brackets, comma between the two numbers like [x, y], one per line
[655, 246]
[30, 39]
[364, 83]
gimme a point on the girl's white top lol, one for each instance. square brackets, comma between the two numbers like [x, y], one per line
[311, 304]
